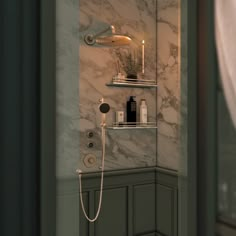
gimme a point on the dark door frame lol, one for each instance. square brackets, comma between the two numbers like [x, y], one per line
[206, 125]
[19, 120]
[27, 121]
[48, 118]
[207, 78]
[202, 122]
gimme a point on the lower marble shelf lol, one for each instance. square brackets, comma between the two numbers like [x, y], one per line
[132, 125]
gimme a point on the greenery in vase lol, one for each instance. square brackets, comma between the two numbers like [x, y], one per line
[131, 63]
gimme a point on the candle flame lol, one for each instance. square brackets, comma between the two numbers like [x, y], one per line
[143, 42]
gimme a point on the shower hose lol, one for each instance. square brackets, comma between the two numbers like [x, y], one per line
[103, 137]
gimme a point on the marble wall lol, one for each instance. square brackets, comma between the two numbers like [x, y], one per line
[83, 71]
[137, 19]
[67, 90]
[168, 51]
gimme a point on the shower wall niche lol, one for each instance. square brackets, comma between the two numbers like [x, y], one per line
[82, 74]
[168, 77]
[157, 23]
[125, 148]
[81, 85]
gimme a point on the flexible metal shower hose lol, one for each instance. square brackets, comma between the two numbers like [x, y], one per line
[103, 136]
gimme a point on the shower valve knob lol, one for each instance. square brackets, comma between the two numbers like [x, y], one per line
[90, 160]
[90, 145]
[90, 134]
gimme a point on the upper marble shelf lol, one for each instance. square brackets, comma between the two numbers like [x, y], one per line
[133, 83]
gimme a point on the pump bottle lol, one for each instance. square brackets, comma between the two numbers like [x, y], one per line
[143, 112]
[131, 110]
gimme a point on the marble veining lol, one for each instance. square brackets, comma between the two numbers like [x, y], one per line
[168, 101]
[125, 149]
[83, 71]
[183, 159]
[67, 74]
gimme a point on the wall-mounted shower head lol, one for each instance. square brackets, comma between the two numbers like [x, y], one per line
[114, 40]
[111, 40]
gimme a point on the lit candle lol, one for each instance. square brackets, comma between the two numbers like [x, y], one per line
[143, 56]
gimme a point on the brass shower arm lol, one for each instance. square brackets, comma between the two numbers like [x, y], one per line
[111, 27]
[90, 39]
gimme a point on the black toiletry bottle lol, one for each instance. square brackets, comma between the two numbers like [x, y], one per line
[131, 110]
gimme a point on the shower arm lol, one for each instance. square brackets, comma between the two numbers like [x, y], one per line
[111, 27]
[90, 39]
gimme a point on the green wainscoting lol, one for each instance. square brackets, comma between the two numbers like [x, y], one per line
[138, 202]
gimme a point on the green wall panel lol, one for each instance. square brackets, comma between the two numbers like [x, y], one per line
[113, 216]
[165, 210]
[68, 210]
[140, 202]
[144, 208]
[83, 223]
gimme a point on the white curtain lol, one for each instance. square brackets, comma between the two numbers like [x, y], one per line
[225, 27]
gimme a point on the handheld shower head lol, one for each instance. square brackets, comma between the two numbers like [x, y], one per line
[104, 107]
